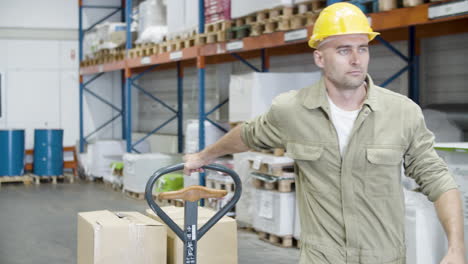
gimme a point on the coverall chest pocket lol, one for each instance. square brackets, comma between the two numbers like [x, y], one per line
[310, 166]
[383, 169]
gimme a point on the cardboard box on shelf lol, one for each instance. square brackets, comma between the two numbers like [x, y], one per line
[219, 245]
[106, 237]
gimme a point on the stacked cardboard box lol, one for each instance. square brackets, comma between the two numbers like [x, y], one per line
[119, 238]
[218, 245]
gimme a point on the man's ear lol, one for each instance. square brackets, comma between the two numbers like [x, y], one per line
[318, 58]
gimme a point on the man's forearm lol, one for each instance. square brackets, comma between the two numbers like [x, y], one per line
[229, 144]
[449, 210]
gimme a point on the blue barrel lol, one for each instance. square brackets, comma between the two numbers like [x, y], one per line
[48, 152]
[12, 152]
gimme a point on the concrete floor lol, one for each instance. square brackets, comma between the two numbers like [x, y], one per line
[38, 223]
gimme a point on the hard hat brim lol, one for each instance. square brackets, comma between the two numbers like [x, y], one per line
[315, 40]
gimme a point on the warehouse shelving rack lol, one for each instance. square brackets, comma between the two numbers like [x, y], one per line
[411, 24]
[96, 72]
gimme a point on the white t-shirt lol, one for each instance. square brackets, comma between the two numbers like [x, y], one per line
[343, 121]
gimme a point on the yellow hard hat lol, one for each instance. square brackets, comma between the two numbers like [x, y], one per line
[340, 19]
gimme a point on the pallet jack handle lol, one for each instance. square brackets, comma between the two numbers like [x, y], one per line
[192, 194]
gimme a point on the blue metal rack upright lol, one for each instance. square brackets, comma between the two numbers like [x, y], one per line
[130, 82]
[83, 88]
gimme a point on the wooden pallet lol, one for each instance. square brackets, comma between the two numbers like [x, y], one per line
[282, 185]
[218, 26]
[219, 36]
[190, 42]
[302, 20]
[238, 32]
[182, 35]
[175, 45]
[135, 195]
[51, 179]
[173, 202]
[310, 6]
[247, 228]
[282, 241]
[210, 183]
[143, 50]
[278, 170]
[25, 179]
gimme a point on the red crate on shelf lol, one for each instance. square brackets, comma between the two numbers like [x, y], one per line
[217, 10]
[217, 17]
[217, 6]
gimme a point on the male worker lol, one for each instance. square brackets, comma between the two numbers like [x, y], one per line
[348, 138]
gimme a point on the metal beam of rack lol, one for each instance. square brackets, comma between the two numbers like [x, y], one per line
[83, 85]
[412, 66]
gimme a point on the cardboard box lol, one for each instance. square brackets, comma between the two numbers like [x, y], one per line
[106, 237]
[219, 245]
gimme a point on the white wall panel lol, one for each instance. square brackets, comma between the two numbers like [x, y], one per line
[39, 14]
[51, 14]
[33, 98]
[3, 54]
[68, 55]
[2, 98]
[69, 105]
[32, 54]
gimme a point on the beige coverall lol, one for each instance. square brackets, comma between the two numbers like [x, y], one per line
[352, 208]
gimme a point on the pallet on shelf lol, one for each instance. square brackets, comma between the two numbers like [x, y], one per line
[25, 179]
[283, 18]
[273, 166]
[302, 20]
[238, 32]
[282, 241]
[190, 42]
[218, 26]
